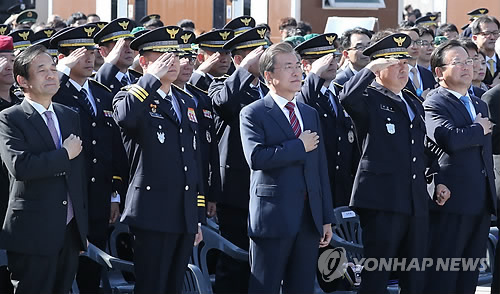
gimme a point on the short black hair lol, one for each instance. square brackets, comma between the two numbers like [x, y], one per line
[425, 31]
[345, 40]
[381, 34]
[446, 27]
[186, 23]
[468, 44]
[287, 22]
[303, 28]
[92, 15]
[25, 58]
[75, 17]
[153, 23]
[475, 26]
[437, 56]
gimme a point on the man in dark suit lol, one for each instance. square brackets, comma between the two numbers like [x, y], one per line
[165, 203]
[104, 153]
[215, 60]
[354, 41]
[459, 125]
[320, 92]
[390, 189]
[204, 113]
[485, 33]
[114, 45]
[290, 199]
[229, 95]
[420, 80]
[492, 99]
[46, 223]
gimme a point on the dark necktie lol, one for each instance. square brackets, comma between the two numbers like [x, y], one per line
[169, 98]
[125, 80]
[254, 91]
[85, 96]
[333, 107]
[294, 122]
[57, 142]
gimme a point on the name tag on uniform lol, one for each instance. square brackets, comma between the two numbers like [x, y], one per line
[192, 115]
[155, 115]
[207, 113]
[108, 113]
[386, 108]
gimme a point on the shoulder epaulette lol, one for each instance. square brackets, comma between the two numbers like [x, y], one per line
[102, 85]
[413, 94]
[182, 90]
[221, 78]
[199, 89]
[338, 85]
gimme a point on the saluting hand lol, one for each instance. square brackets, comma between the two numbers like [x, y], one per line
[310, 140]
[252, 58]
[207, 65]
[320, 65]
[381, 63]
[114, 54]
[72, 59]
[161, 65]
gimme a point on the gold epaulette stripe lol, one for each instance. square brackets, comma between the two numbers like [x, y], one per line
[182, 90]
[117, 178]
[201, 90]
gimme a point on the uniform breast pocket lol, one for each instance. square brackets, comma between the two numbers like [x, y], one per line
[266, 190]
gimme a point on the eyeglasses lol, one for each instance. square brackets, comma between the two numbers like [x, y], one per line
[424, 43]
[468, 61]
[487, 34]
[359, 47]
[290, 68]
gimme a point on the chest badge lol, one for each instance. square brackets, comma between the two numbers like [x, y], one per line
[209, 137]
[350, 136]
[161, 136]
[192, 115]
[391, 128]
[207, 113]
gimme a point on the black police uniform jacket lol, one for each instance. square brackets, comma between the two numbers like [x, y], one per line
[208, 140]
[166, 190]
[107, 76]
[391, 172]
[102, 146]
[342, 151]
[201, 81]
[229, 96]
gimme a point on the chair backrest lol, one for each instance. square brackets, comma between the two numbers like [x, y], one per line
[121, 240]
[194, 281]
[346, 225]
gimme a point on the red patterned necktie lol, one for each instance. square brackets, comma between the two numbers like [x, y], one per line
[293, 119]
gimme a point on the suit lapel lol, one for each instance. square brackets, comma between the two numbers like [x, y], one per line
[64, 123]
[306, 121]
[278, 116]
[38, 124]
[457, 104]
[78, 97]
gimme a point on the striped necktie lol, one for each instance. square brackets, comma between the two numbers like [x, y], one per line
[294, 122]
[85, 96]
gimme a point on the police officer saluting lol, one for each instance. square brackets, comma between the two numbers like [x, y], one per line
[102, 144]
[390, 189]
[165, 201]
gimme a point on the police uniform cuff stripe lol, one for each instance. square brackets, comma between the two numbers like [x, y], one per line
[390, 53]
[117, 35]
[201, 205]
[251, 44]
[201, 197]
[137, 95]
[201, 201]
[136, 92]
[76, 42]
[319, 52]
[117, 178]
[141, 89]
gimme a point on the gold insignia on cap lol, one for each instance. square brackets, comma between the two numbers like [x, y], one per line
[185, 38]
[262, 33]
[153, 17]
[101, 25]
[3, 30]
[29, 14]
[482, 11]
[246, 21]
[224, 35]
[48, 33]
[124, 25]
[330, 39]
[432, 18]
[89, 31]
[172, 32]
[24, 35]
[399, 40]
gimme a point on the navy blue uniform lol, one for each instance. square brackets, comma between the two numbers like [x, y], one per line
[165, 200]
[107, 76]
[390, 189]
[201, 81]
[208, 140]
[229, 96]
[342, 151]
